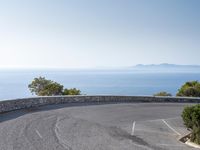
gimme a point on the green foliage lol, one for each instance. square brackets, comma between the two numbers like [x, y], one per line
[43, 87]
[163, 93]
[190, 89]
[52, 89]
[187, 118]
[38, 85]
[191, 118]
[72, 91]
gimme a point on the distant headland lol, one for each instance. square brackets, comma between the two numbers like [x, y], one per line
[167, 67]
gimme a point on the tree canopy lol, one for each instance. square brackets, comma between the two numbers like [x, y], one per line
[43, 87]
[190, 89]
[163, 93]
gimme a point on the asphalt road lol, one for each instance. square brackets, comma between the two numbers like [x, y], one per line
[135, 126]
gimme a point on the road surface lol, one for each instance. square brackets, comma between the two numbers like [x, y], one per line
[128, 126]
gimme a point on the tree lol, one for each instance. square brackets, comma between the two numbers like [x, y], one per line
[72, 91]
[190, 89]
[163, 93]
[52, 89]
[38, 84]
[43, 87]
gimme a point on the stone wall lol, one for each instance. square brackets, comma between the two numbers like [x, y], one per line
[10, 105]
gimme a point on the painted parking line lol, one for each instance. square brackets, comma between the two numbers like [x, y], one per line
[38, 133]
[133, 128]
[152, 120]
[171, 127]
[171, 145]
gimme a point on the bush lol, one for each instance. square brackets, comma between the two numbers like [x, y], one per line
[72, 91]
[190, 89]
[43, 87]
[187, 118]
[191, 118]
[162, 94]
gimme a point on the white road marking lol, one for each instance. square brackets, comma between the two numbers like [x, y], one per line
[170, 145]
[160, 119]
[133, 128]
[155, 132]
[170, 127]
[38, 133]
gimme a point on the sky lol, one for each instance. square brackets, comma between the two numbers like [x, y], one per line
[98, 33]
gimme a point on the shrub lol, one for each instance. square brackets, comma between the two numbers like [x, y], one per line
[190, 89]
[191, 118]
[72, 91]
[187, 117]
[163, 93]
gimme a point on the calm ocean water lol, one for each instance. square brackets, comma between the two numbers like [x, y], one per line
[14, 83]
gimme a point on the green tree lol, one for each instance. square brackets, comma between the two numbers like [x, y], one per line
[38, 84]
[163, 93]
[43, 87]
[190, 89]
[72, 91]
[52, 89]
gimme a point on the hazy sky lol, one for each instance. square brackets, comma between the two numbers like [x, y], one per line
[98, 33]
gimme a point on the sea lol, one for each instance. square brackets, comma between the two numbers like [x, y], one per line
[14, 83]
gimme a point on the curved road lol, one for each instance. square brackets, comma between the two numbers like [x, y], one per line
[135, 126]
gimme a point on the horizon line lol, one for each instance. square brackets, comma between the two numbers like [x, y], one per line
[94, 67]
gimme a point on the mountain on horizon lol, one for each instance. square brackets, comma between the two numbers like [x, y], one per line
[167, 67]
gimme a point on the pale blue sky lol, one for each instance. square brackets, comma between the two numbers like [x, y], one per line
[98, 33]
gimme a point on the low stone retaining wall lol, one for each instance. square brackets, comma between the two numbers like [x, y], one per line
[10, 105]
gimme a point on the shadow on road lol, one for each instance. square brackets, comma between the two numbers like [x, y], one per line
[17, 113]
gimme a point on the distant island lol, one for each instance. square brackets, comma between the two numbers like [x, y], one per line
[165, 67]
